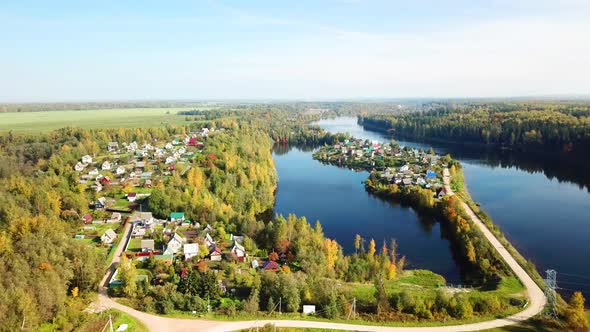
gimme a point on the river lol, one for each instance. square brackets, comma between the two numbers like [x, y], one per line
[542, 206]
[337, 198]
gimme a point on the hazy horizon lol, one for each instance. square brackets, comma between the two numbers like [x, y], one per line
[313, 51]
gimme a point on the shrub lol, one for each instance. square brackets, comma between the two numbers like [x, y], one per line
[164, 306]
[463, 309]
[488, 305]
[407, 301]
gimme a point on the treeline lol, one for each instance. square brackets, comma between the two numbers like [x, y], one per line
[561, 127]
[45, 107]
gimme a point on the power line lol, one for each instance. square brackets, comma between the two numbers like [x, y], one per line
[352, 309]
[574, 283]
[574, 275]
[551, 282]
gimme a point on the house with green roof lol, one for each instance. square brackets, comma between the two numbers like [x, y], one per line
[177, 216]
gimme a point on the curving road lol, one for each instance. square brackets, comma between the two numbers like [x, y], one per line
[536, 297]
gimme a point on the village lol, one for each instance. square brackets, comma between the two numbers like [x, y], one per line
[405, 167]
[122, 179]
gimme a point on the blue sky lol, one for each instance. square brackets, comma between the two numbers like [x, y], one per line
[106, 50]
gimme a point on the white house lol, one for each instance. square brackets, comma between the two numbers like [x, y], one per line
[168, 146]
[145, 217]
[159, 153]
[239, 251]
[138, 232]
[215, 254]
[120, 170]
[113, 146]
[132, 146]
[170, 159]
[190, 250]
[131, 197]
[93, 172]
[404, 168]
[209, 240]
[79, 167]
[147, 245]
[106, 165]
[174, 245]
[86, 159]
[109, 236]
[115, 217]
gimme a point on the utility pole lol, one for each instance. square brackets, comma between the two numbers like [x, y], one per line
[280, 305]
[111, 322]
[550, 294]
[352, 310]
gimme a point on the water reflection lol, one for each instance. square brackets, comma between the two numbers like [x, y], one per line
[540, 201]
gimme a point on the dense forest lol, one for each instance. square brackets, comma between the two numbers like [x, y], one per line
[560, 127]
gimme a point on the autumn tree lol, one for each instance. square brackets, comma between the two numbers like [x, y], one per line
[575, 315]
[372, 250]
[357, 242]
[127, 274]
[470, 252]
[331, 250]
[273, 256]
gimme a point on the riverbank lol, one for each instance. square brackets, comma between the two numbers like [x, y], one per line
[459, 187]
[414, 177]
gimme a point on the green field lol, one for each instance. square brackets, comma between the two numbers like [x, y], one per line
[36, 122]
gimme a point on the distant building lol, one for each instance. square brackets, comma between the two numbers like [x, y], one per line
[174, 245]
[112, 147]
[106, 166]
[215, 254]
[239, 251]
[86, 159]
[147, 245]
[100, 204]
[176, 216]
[109, 236]
[190, 250]
[131, 197]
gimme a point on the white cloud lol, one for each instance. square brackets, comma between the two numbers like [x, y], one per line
[502, 57]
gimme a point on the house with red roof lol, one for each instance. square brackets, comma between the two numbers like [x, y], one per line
[87, 218]
[271, 266]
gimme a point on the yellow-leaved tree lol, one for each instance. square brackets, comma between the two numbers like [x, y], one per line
[575, 315]
[357, 242]
[372, 250]
[331, 249]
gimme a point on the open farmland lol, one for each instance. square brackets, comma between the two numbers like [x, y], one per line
[37, 122]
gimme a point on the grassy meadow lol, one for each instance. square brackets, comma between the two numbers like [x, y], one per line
[39, 122]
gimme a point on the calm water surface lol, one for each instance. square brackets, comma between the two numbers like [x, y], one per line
[546, 219]
[337, 198]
